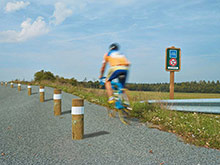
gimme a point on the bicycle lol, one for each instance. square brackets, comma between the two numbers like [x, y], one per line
[122, 104]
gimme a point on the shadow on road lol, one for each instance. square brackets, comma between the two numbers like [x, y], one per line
[34, 93]
[66, 112]
[48, 100]
[100, 133]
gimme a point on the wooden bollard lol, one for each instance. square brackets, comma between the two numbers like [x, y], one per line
[77, 119]
[19, 87]
[6, 83]
[29, 89]
[12, 85]
[57, 96]
[2, 83]
[41, 90]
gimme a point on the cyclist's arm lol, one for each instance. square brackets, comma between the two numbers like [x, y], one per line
[103, 69]
[128, 63]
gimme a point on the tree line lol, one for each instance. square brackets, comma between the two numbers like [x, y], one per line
[188, 87]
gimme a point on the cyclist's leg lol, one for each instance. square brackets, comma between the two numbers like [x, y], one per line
[109, 88]
[112, 74]
[125, 99]
[122, 76]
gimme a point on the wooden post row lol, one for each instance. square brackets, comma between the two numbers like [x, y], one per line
[29, 89]
[12, 85]
[41, 90]
[57, 102]
[19, 87]
[77, 119]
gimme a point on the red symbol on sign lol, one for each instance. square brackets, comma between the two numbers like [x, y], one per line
[173, 62]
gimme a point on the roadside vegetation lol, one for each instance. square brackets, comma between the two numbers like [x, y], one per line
[194, 128]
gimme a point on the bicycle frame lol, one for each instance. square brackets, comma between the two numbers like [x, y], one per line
[119, 88]
[119, 105]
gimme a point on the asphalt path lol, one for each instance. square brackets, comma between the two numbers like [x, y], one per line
[31, 134]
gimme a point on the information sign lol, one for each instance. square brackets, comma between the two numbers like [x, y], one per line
[173, 59]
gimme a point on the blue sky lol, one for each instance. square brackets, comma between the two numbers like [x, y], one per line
[69, 38]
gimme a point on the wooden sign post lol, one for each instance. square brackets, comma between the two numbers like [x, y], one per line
[171, 84]
[173, 64]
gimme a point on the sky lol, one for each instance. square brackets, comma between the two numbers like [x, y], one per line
[70, 38]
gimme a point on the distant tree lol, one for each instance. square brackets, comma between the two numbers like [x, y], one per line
[42, 75]
[39, 75]
[73, 81]
[48, 76]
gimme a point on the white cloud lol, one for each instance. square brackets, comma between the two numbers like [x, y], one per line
[60, 13]
[37, 28]
[66, 8]
[13, 6]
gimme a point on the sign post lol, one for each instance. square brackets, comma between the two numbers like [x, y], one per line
[173, 64]
[171, 84]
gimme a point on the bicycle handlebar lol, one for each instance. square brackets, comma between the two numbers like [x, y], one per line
[102, 81]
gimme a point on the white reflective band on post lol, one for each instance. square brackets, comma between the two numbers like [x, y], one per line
[29, 86]
[57, 96]
[41, 90]
[19, 85]
[11, 83]
[77, 110]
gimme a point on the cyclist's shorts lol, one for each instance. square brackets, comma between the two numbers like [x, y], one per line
[115, 72]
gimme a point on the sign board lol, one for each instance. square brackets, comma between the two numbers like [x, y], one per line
[173, 59]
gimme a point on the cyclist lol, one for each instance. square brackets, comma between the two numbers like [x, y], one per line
[119, 66]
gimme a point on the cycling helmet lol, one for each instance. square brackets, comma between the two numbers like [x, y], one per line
[114, 46]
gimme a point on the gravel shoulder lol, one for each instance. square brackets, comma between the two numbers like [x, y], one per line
[31, 134]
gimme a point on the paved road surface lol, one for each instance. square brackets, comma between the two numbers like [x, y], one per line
[31, 134]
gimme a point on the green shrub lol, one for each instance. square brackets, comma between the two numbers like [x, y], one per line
[42, 75]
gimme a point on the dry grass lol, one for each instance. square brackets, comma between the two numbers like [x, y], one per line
[142, 95]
